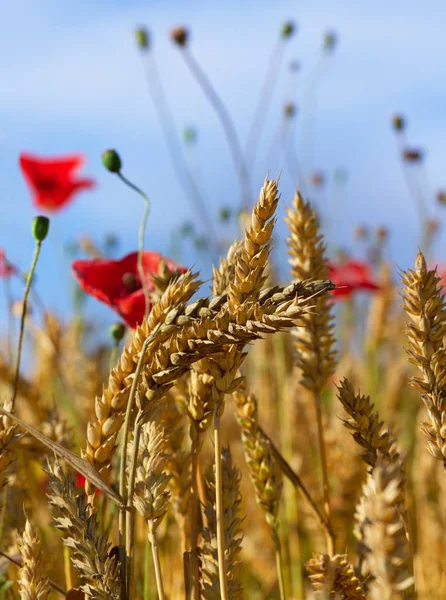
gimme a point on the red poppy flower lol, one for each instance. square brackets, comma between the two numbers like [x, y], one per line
[53, 181]
[118, 283]
[6, 268]
[352, 275]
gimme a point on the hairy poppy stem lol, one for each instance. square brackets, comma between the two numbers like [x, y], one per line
[142, 230]
[227, 123]
[180, 166]
[29, 279]
[263, 103]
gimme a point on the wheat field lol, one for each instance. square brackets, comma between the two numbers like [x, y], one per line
[252, 437]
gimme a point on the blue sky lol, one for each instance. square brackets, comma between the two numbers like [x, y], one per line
[72, 80]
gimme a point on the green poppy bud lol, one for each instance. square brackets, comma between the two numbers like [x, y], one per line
[111, 161]
[330, 40]
[225, 214]
[288, 29]
[40, 228]
[398, 123]
[142, 38]
[117, 331]
[190, 135]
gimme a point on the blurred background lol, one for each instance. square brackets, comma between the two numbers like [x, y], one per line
[73, 79]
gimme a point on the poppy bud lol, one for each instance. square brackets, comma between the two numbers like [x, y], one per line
[190, 135]
[40, 228]
[330, 40]
[361, 232]
[179, 35]
[441, 197]
[142, 38]
[288, 29]
[432, 226]
[398, 122]
[412, 155]
[117, 331]
[318, 179]
[111, 161]
[382, 233]
[187, 229]
[201, 243]
[290, 110]
[225, 214]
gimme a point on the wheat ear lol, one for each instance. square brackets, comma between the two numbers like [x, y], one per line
[366, 427]
[315, 341]
[389, 557]
[90, 551]
[210, 587]
[33, 584]
[425, 305]
[151, 495]
[334, 576]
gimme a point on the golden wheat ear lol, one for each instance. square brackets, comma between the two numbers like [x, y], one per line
[426, 333]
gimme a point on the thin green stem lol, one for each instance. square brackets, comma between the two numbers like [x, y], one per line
[114, 354]
[279, 563]
[156, 562]
[219, 504]
[146, 570]
[8, 297]
[227, 123]
[23, 319]
[142, 230]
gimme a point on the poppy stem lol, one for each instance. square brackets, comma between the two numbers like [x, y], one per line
[263, 103]
[29, 279]
[227, 124]
[142, 230]
[181, 169]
